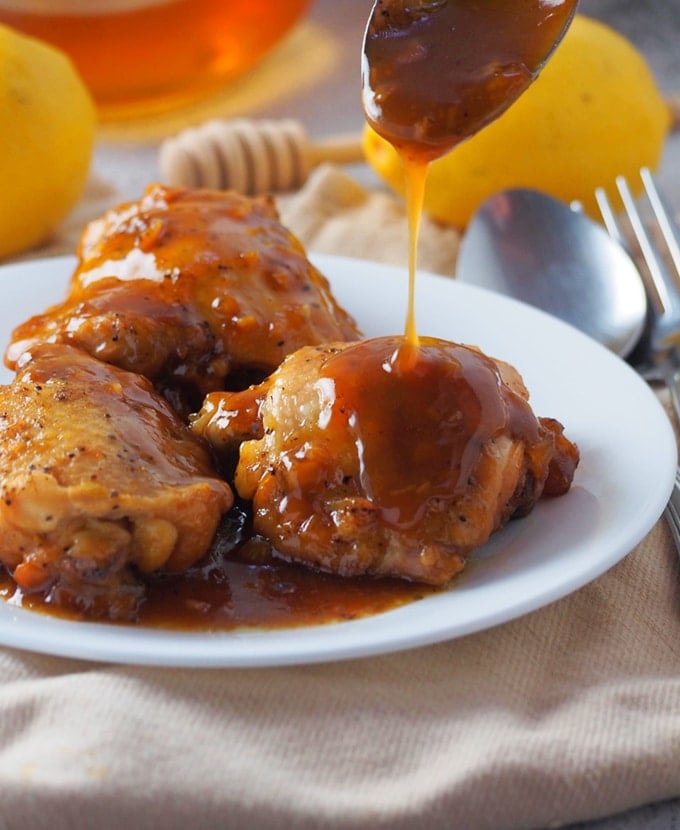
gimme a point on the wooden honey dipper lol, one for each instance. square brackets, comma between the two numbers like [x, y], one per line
[253, 157]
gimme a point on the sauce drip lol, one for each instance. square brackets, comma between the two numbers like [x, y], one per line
[435, 72]
[416, 176]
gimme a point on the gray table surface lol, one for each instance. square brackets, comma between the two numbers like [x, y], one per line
[332, 106]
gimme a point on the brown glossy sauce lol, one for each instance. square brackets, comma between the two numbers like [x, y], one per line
[437, 71]
[192, 289]
[227, 593]
[419, 416]
[240, 585]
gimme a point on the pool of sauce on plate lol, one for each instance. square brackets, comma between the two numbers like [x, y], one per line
[239, 584]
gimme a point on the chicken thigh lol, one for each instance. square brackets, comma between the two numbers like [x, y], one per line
[100, 482]
[382, 457]
[194, 289]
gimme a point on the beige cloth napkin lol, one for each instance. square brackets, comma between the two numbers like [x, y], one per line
[569, 713]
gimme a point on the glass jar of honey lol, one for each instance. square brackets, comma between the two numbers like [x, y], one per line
[138, 56]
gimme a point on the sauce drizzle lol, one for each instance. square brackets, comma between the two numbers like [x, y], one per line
[435, 72]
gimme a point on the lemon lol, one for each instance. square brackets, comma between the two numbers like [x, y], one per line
[593, 113]
[47, 126]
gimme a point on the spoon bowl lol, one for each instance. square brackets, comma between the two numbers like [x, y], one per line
[530, 246]
[436, 71]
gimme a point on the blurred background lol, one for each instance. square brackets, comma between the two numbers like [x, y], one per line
[313, 75]
[301, 60]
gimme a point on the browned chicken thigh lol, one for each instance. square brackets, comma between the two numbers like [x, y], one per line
[100, 481]
[387, 458]
[191, 288]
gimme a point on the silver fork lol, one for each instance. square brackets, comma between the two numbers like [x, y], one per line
[660, 258]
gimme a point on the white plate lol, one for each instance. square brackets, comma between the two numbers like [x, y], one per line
[621, 487]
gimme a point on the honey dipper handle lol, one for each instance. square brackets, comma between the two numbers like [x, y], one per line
[343, 149]
[252, 157]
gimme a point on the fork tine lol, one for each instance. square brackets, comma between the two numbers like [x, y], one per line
[662, 212]
[652, 260]
[657, 294]
[660, 257]
[609, 217]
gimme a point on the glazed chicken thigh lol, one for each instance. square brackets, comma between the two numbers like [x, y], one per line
[100, 481]
[192, 289]
[381, 457]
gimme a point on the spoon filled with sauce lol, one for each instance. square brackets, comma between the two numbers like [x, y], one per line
[435, 72]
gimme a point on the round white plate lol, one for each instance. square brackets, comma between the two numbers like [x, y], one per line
[621, 486]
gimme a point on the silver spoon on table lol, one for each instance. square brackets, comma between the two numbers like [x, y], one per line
[528, 245]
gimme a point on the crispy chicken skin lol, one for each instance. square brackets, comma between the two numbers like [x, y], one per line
[190, 288]
[100, 480]
[386, 458]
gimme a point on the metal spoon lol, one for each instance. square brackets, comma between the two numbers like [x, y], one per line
[528, 245]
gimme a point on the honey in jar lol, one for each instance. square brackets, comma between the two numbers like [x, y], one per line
[142, 55]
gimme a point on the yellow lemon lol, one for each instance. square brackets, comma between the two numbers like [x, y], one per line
[47, 125]
[593, 113]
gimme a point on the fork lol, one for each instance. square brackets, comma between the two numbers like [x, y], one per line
[660, 259]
